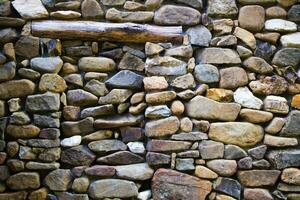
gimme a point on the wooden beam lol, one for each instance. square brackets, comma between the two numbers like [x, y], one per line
[116, 32]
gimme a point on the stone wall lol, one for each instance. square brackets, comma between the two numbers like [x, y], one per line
[214, 116]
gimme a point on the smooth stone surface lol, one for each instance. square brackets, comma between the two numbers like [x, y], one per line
[206, 73]
[258, 65]
[194, 32]
[80, 97]
[222, 8]
[118, 121]
[126, 79]
[103, 146]
[204, 108]
[291, 127]
[287, 57]
[98, 111]
[16, 88]
[154, 112]
[176, 15]
[228, 186]
[38, 10]
[115, 15]
[96, 64]
[291, 40]
[233, 77]
[46, 64]
[223, 167]
[245, 97]
[252, 17]
[258, 178]
[255, 116]
[82, 127]
[169, 183]
[211, 150]
[215, 55]
[162, 127]
[256, 193]
[46, 102]
[140, 171]
[112, 188]
[245, 36]
[7, 71]
[243, 134]
[275, 141]
[77, 156]
[280, 25]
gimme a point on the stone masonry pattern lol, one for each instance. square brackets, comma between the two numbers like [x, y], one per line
[214, 115]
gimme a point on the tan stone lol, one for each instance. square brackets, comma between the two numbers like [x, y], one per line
[257, 193]
[155, 83]
[22, 132]
[16, 88]
[204, 172]
[275, 12]
[115, 15]
[286, 3]
[177, 107]
[256, 116]
[224, 197]
[246, 36]
[160, 97]
[275, 125]
[152, 49]
[275, 141]
[243, 134]
[53, 83]
[223, 167]
[291, 176]
[233, 77]
[219, 94]
[252, 18]
[162, 127]
[271, 37]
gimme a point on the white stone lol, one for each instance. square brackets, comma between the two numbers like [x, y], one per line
[71, 141]
[245, 97]
[291, 40]
[276, 104]
[30, 9]
[136, 147]
[144, 195]
[280, 25]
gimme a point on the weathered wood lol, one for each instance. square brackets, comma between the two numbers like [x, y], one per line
[118, 32]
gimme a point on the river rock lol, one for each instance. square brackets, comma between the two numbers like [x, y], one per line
[53, 83]
[82, 127]
[258, 65]
[176, 15]
[96, 64]
[243, 134]
[211, 150]
[23, 131]
[121, 158]
[118, 121]
[126, 79]
[223, 167]
[154, 112]
[46, 102]
[103, 146]
[269, 85]
[293, 13]
[80, 97]
[140, 171]
[255, 116]
[46, 64]
[194, 38]
[233, 77]
[252, 17]
[167, 145]
[222, 8]
[245, 36]
[112, 188]
[59, 179]
[98, 111]
[287, 57]
[291, 127]
[276, 104]
[258, 178]
[256, 193]
[7, 71]
[206, 73]
[38, 12]
[275, 141]
[214, 55]
[115, 96]
[23, 181]
[204, 108]
[91, 9]
[8, 35]
[77, 156]
[162, 127]
[165, 66]
[280, 25]
[165, 185]
[228, 186]
[245, 97]
[115, 15]
[16, 88]
[291, 40]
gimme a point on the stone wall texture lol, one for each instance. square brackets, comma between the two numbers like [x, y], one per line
[215, 116]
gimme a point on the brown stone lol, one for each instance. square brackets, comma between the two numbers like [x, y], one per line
[291, 176]
[296, 101]
[256, 193]
[160, 97]
[91, 9]
[267, 85]
[276, 12]
[28, 46]
[53, 83]
[220, 95]
[23, 131]
[233, 77]
[168, 184]
[162, 127]
[275, 141]
[256, 116]
[16, 88]
[268, 37]
[258, 178]
[252, 18]
[167, 145]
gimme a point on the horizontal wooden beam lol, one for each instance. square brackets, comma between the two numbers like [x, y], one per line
[116, 32]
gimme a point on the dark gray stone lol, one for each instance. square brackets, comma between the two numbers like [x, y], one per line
[234, 152]
[294, 13]
[281, 159]
[7, 71]
[46, 102]
[43, 143]
[228, 186]
[126, 79]
[245, 163]
[46, 121]
[194, 38]
[98, 111]
[292, 125]
[8, 35]
[77, 156]
[258, 152]
[263, 50]
[287, 57]
[158, 158]
[121, 158]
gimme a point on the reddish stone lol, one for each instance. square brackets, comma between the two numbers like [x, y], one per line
[100, 170]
